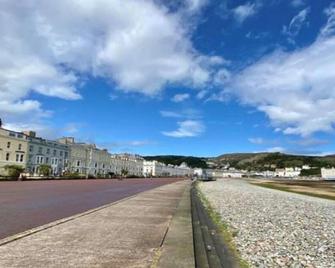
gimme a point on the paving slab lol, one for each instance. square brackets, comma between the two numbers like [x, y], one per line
[177, 249]
[126, 234]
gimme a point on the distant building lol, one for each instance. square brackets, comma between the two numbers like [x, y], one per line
[153, 169]
[328, 173]
[158, 169]
[132, 164]
[198, 172]
[287, 172]
[87, 159]
[13, 149]
[233, 174]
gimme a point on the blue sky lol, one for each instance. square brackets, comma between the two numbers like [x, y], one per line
[189, 77]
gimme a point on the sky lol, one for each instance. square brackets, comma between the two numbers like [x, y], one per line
[185, 77]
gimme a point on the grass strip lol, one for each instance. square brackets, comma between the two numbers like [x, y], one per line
[288, 189]
[225, 232]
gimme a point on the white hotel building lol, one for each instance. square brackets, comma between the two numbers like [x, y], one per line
[158, 169]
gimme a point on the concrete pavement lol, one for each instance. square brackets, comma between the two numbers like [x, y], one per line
[125, 234]
[177, 249]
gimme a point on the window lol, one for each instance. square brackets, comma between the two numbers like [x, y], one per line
[12, 134]
[17, 157]
[20, 136]
[47, 160]
[61, 153]
[40, 150]
[7, 156]
[20, 147]
[21, 158]
[31, 148]
[78, 163]
[54, 153]
[65, 154]
[48, 151]
[8, 144]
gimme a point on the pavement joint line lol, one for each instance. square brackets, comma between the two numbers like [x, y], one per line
[41, 228]
[170, 221]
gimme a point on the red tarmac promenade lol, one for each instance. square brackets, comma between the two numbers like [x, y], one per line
[28, 204]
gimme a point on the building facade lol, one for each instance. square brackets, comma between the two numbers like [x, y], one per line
[328, 173]
[13, 149]
[46, 152]
[87, 159]
[158, 169]
[130, 164]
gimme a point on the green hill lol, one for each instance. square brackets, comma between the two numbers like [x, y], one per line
[191, 161]
[249, 161]
[262, 161]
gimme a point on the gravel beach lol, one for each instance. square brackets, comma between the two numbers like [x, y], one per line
[275, 228]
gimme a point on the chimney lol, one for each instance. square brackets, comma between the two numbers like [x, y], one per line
[66, 140]
[30, 133]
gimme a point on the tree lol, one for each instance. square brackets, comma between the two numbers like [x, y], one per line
[124, 172]
[14, 171]
[45, 170]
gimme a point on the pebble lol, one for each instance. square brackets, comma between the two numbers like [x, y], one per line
[275, 228]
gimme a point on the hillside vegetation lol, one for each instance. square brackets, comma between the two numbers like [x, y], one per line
[262, 161]
[248, 161]
[191, 161]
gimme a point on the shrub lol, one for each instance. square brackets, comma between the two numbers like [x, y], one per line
[14, 171]
[44, 170]
[311, 172]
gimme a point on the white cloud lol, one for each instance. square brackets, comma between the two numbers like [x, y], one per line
[295, 89]
[243, 12]
[296, 24]
[51, 47]
[187, 128]
[180, 97]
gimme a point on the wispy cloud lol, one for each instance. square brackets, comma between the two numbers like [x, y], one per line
[294, 89]
[296, 24]
[185, 113]
[187, 128]
[180, 97]
[243, 12]
[297, 3]
[329, 28]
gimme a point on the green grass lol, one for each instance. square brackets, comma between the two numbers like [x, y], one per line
[288, 189]
[226, 233]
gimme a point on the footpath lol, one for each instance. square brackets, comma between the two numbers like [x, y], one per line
[151, 229]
